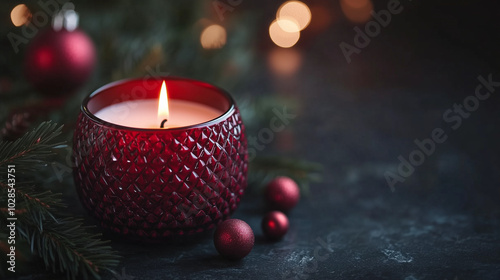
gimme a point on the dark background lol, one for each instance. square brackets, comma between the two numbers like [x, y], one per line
[355, 119]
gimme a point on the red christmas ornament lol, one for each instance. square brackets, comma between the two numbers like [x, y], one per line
[60, 59]
[234, 239]
[275, 225]
[282, 193]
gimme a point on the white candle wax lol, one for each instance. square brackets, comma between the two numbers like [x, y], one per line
[144, 113]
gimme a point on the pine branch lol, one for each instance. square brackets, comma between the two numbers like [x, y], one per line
[29, 151]
[65, 245]
[36, 205]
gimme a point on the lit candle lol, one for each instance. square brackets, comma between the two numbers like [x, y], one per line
[150, 113]
[151, 183]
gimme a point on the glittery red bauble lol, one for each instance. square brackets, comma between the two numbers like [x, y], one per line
[234, 239]
[275, 225]
[58, 62]
[282, 193]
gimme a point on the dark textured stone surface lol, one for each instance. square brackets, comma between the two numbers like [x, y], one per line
[356, 119]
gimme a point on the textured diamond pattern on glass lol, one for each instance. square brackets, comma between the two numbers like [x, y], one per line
[157, 184]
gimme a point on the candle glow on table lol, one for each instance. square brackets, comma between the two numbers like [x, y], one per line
[150, 113]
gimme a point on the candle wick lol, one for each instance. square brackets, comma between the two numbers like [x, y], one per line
[163, 123]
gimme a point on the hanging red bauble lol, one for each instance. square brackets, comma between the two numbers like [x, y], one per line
[282, 193]
[234, 239]
[61, 58]
[275, 225]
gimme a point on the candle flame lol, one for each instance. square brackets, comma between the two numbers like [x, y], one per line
[163, 103]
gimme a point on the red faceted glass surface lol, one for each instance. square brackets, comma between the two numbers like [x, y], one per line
[152, 184]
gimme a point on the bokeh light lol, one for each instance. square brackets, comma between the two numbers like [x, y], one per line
[20, 15]
[213, 37]
[357, 11]
[288, 24]
[296, 10]
[284, 62]
[281, 37]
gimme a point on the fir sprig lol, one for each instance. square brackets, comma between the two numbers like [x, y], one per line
[31, 149]
[64, 244]
[37, 205]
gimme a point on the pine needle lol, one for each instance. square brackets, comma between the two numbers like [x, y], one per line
[64, 243]
[67, 246]
[31, 150]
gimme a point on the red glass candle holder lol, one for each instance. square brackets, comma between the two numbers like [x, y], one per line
[152, 184]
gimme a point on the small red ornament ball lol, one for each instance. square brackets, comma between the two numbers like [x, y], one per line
[282, 193]
[234, 239]
[275, 225]
[59, 62]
